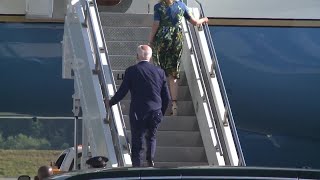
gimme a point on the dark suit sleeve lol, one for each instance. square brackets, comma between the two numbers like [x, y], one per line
[123, 90]
[165, 95]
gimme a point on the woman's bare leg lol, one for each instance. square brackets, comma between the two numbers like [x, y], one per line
[173, 86]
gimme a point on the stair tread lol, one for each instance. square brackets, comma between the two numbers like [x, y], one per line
[126, 33]
[125, 19]
[180, 154]
[177, 138]
[174, 123]
[124, 47]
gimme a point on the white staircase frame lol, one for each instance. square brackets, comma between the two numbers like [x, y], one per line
[79, 57]
[205, 125]
[209, 137]
[216, 94]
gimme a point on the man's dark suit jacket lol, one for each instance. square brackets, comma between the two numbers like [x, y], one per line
[148, 87]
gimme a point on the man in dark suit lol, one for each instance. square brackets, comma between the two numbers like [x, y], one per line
[149, 100]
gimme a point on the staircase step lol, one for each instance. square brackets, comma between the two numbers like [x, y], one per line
[121, 63]
[183, 94]
[179, 164]
[118, 75]
[126, 20]
[180, 154]
[174, 123]
[177, 138]
[126, 33]
[185, 108]
[124, 47]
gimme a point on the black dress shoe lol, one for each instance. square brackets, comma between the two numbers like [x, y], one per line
[150, 164]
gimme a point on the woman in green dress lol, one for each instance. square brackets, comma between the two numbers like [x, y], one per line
[166, 39]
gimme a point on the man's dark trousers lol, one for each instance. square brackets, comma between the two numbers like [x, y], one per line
[144, 130]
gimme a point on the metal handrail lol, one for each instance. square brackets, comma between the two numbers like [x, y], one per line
[112, 77]
[99, 69]
[220, 149]
[222, 88]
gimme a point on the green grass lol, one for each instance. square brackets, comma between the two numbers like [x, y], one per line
[24, 162]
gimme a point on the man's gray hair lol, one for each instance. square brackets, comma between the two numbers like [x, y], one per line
[144, 52]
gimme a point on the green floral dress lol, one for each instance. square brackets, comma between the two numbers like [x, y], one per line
[168, 41]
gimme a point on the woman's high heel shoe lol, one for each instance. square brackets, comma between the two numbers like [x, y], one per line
[174, 108]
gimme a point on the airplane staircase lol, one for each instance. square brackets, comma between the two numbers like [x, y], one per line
[100, 45]
[179, 140]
